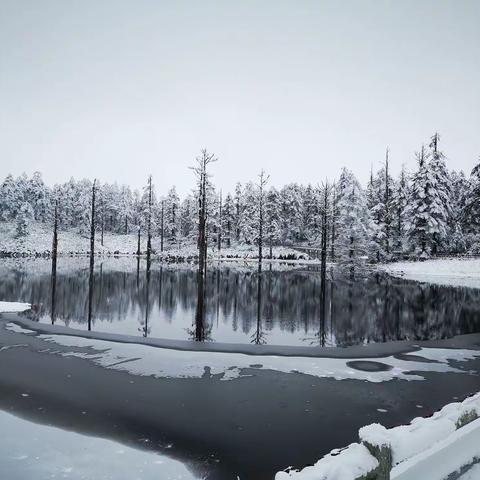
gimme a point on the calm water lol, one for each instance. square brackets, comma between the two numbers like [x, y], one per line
[374, 308]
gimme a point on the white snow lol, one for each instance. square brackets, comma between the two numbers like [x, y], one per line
[14, 307]
[449, 455]
[449, 272]
[30, 450]
[13, 327]
[471, 474]
[148, 360]
[429, 448]
[409, 440]
[39, 241]
[352, 462]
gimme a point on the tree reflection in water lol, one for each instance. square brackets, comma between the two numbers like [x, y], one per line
[240, 305]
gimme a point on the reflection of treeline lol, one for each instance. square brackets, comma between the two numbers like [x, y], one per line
[370, 309]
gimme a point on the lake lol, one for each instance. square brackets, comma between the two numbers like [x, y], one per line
[286, 309]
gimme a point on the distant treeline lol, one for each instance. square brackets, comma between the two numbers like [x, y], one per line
[420, 213]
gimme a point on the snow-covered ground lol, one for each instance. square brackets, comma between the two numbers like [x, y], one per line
[472, 474]
[460, 449]
[30, 450]
[429, 448]
[14, 307]
[147, 360]
[450, 271]
[39, 241]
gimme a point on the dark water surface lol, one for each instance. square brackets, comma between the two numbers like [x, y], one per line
[373, 308]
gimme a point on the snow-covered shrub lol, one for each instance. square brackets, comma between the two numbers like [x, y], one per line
[24, 217]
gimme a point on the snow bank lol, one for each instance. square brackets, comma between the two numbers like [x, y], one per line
[30, 450]
[14, 307]
[450, 272]
[429, 448]
[473, 473]
[347, 464]
[409, 440]
[452, 454]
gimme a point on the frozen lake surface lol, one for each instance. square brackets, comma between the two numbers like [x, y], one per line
[373, 308]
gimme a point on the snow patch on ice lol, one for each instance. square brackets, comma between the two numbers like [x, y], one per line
[148, 360]
[13, 327]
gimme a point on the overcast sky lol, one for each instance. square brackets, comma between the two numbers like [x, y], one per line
[120, 89]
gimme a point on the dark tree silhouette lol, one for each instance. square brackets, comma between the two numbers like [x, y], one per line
[92, 257]
[54, 260]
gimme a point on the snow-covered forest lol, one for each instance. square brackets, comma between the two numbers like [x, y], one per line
[431, 210]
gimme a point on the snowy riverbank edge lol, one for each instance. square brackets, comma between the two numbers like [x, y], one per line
[454, 272]
[446, 443]
[38, 243]
[374, 350]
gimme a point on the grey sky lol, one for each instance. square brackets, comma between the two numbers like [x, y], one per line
[120, 89]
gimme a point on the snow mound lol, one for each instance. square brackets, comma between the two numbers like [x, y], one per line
[14, 307]
[409, 440]
[347, 464]
[432, 448]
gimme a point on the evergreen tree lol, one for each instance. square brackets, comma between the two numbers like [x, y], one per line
[380, 201]
[24, 217]
[238, 213]
[400, 202]
[228, 219]
[441, 207]
[353, 221]
[272, 218]
[422, 226]
[471, 214]
[171, 215]
[8, 199]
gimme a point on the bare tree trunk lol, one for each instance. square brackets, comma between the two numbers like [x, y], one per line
[54, 261]
[334, 213]
[263, 179]
[103, 219]
[201, 172]
[147, 300]
[387, 205]
[138, 241]
[324, 235]
[161, 226]
[92, 259]
[323, 261]
[149, 221]
[220, 224]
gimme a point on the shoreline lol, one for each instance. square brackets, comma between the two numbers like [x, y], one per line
[372, 350]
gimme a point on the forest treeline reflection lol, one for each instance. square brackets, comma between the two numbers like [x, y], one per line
[286, 307]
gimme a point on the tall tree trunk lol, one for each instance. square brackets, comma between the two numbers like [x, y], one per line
[334, 218]
[220, 224]
[261, 189]
[149, 220]
[103, 220]
[92, 259]
[387, 205]
[161, 226]
[54, 261]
